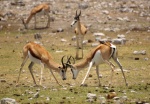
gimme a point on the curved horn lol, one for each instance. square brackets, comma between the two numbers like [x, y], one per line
[79, 13]
[62, 61]
[76, 12]
[73, 59]
[68, 61]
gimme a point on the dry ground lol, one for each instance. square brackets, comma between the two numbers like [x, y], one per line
[13, 38]
[137, 70]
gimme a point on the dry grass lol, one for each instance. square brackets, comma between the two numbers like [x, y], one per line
[137, 74]
[137, 70]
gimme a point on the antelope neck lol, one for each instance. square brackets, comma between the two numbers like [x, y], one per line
[79, 26]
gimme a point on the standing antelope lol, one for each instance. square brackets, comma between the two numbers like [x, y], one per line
[40, 8]
[99, 55]
[80, 32]
[38, 54]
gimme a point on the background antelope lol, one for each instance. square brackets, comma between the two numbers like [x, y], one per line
[38, 54]
[40, 8]
[100, 54]
[80, 32]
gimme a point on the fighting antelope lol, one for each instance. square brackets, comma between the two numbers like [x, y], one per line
[40, 8]
[80, 32]
[38, 54]
[100, 54]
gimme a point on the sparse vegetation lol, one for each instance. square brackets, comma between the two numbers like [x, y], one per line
[137, 67]
[137, 73]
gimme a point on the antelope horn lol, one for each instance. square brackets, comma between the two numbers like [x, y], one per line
[79, 13]
[73, 59]
[76, 12]
[68, 61]
[62, 61]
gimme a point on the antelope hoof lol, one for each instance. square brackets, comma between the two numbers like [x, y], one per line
[109, 84]
[80, 48]
[17, 85]
[35, 85]
[83, 85]
[61, 85]
[74, 78]
[64, 78]
[126, 84]
[99, 85]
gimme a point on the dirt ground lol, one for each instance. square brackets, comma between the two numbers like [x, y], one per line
[129, 18]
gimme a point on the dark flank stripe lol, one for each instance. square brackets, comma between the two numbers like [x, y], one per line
[34, 55]
[39, 10]
[95, 52]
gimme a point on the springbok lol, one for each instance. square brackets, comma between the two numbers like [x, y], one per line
[40, 8]
[1, 15]
[38, 54]
[80, 32]
[100, 54]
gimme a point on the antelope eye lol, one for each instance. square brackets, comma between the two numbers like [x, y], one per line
[71, 70]
[76, 18]
[62, 71]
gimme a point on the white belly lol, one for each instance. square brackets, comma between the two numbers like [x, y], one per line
[98, 59]
[33, 59]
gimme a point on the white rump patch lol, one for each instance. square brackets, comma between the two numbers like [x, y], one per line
[112, 46]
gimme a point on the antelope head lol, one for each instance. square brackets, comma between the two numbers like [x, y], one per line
[76, 18]
[72, 67]
[64, 66]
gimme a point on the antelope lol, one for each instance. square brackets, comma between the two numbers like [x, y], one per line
[80, 32]
[38, 54]
[1, 15]
[101, 54]
[40, 8]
